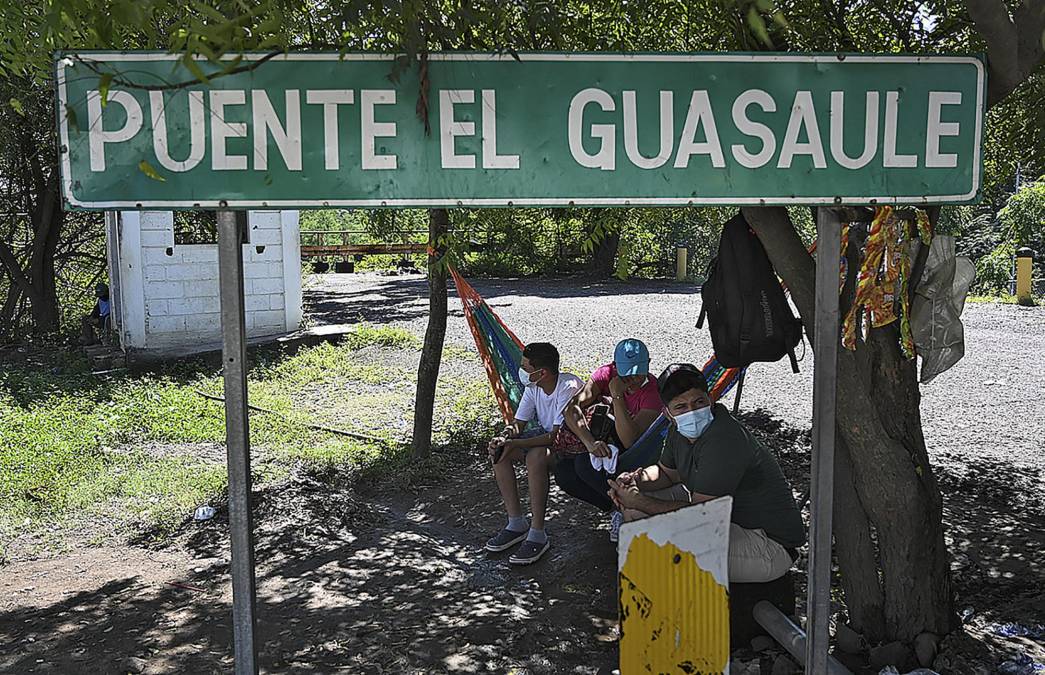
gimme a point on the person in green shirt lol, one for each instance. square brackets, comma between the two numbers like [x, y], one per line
[709, 454]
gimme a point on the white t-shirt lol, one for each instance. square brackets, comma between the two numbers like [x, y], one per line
[548, 407]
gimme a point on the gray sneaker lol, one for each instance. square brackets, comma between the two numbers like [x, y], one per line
[529, 553]
[505, 539]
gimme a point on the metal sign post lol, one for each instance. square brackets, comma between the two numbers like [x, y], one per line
[237, 434]
[821, 494]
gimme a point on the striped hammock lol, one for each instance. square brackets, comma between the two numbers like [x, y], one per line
[501, 352]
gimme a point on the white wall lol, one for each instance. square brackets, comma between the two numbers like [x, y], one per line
[170, 292]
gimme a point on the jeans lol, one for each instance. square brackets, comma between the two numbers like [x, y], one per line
[576, 477]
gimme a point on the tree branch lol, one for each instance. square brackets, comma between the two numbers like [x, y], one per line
[14, 270]
[1014, 48]
[253, 65]
[787, 253]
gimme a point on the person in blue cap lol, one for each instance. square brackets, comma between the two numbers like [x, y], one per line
[618, 404]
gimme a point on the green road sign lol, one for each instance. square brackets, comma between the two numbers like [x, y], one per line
[139, 130]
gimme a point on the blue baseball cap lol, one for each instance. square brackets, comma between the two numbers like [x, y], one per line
[631, 357]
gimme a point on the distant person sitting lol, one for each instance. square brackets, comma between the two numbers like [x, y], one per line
[709, 454]
[546, 393]
[618, 405]
[98, 319]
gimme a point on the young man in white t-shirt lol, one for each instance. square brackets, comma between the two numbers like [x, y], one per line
[546, 393]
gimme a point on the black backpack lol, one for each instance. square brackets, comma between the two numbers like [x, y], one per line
[748, 315]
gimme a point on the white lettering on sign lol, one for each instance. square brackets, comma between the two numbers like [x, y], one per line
[330, 99]
[197, 132]
[97, 136]
[758, 146]
[287, 138]
[870, 131]
[749, 128]
[631, 132]
[371, 129]
[220, 130]
[935, 129]
[491, 160]
[891, 160]
[450, 129]
[699, 113]
[802, 116]
[605, 157]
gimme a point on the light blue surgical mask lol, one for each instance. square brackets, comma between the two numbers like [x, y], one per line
[524, 377]
[695, 422]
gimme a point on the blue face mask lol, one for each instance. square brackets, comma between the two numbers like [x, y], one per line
[694, 423]
[524, 377]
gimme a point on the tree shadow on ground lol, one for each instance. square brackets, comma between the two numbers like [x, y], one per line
[403, 298]
[385, 572]
[383, 583]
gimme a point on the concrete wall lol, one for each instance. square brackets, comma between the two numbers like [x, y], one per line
[169, 292]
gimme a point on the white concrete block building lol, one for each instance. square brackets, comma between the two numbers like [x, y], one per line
[165, 291]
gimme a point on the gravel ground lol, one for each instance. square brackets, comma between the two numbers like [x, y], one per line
[987, 407]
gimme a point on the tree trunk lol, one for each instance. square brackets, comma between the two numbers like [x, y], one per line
[432, 351]
[886, 489]
[37, 281]
[603, 259]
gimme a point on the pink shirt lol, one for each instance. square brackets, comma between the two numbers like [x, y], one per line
[646, 397]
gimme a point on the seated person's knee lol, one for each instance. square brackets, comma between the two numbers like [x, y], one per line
[538, 458]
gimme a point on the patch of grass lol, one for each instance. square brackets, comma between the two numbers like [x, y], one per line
[1002, 299]
[155, 492]
[366, 335]
[459, 353]
[71, 444]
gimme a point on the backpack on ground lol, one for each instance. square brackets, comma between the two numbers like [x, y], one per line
[748, 314]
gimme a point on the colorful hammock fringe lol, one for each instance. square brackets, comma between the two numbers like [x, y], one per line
[501, 353]
[499, 348]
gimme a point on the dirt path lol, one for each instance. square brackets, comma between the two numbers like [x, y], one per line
[382, 584]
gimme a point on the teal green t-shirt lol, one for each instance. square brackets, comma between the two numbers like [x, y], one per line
[727, 460]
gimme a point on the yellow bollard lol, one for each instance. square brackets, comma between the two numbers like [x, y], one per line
[1024, 267]
[680, 263]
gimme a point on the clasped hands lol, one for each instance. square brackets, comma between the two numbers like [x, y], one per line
[624, 490]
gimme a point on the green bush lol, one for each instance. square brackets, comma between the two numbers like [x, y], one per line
[994, 270]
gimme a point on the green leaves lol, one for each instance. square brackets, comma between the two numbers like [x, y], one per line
[194, 68]
[758, 25]
[104, 83]
[16, 105]
[150, 171]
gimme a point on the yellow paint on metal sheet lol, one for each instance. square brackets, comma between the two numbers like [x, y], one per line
[674, 615]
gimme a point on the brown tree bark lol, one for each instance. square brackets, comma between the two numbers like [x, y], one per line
[1015, 45]
[432, 351]
[36, 280]
[604, 258]
[894, 494]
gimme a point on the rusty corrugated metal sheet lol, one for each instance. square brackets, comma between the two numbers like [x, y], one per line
[674, 605]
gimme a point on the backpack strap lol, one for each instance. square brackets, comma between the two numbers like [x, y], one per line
[703, 313]
[794, 361]
[740, 390]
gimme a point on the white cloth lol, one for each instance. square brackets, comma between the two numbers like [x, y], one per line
[607, 464]
[548, 407]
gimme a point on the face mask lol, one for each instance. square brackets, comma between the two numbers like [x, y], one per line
[694, 423]
[524, 377]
